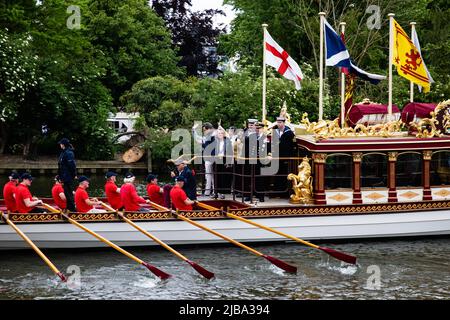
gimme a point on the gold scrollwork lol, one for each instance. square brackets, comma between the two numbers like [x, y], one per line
[392, 156]
[428, 127]
[326, 129]
[427, 154]
[357, 156]
[319, 157]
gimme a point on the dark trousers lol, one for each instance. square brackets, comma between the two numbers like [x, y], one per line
[37, 210]
[281, 182]
[68, 192]
[222, 178]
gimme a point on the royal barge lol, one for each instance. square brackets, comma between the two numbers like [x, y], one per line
[358, 182]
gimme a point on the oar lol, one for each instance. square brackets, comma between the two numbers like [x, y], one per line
[280, 264]
[159, 273]
[35, 248]
[334, 253]
[207, 274]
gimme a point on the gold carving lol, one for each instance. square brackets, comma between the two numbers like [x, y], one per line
[427, 127]
[34, 217]
[357, 156]
[392, 156]
[342, 209]
[319, 157]
[339, 197]
[427, 154]
[325, 129]
[302, 183]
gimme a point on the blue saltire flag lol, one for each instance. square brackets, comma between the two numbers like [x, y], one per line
[337, 55]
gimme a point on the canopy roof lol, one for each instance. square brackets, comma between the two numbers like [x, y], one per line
[362, 113]
[417, 110]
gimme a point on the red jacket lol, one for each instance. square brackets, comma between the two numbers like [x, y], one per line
[130, 198]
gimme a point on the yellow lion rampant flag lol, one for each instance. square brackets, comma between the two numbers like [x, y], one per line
[408, 59]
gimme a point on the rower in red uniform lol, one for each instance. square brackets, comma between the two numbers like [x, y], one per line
[82, 200]
[179, 198]
[8, 192]
[129, 196]
[112, 191]
[58, 194]
[25, 202]
[154, 191]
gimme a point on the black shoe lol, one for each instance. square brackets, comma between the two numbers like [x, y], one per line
[261, 199]
[247, 199]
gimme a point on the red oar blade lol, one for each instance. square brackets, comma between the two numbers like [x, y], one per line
[159, 273]
[208, 275]
[62, 276]
[339, 255]
[281, 264]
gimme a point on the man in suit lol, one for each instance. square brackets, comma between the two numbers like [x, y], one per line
[190, 185]
[286, 147]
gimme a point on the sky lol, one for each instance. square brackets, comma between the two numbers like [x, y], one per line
[199, 5]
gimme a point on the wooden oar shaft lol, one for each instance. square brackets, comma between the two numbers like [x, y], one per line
[334, 253]
[157, 206]
[99, 237]
[35, 248]
[148, 234]
[230, 215]
[272, 230]
[49, 207]
[220, 235]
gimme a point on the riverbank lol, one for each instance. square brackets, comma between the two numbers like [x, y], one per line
[49, 165]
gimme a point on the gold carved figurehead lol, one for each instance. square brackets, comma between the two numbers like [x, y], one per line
[302, 183]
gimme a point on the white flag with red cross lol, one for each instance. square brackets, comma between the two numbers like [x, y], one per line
[278, 58]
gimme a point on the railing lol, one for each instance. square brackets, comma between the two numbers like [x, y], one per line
[239, 177]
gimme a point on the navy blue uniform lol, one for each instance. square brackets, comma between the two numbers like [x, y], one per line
[190, 185]
[67, 171]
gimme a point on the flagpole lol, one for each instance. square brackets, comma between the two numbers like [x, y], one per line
[411, 84]
[391, 58]
[264, 25]
[342, 24]
[322, 23]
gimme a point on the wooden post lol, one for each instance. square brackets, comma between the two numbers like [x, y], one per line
[357, 157]
[342, 24]
[391, 58]
[392, 184]
[426, 175]
[319, 178]
[411, 84]
[264, 111]
[322, 23]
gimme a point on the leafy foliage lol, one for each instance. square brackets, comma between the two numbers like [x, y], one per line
[193, 35]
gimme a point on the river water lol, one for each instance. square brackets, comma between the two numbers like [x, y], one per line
[393, 269]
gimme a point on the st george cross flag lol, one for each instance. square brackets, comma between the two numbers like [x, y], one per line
[415, 40]
[279, 59]
[408, 59]
[337, 55]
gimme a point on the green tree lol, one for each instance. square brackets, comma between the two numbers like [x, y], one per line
[133, 42]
